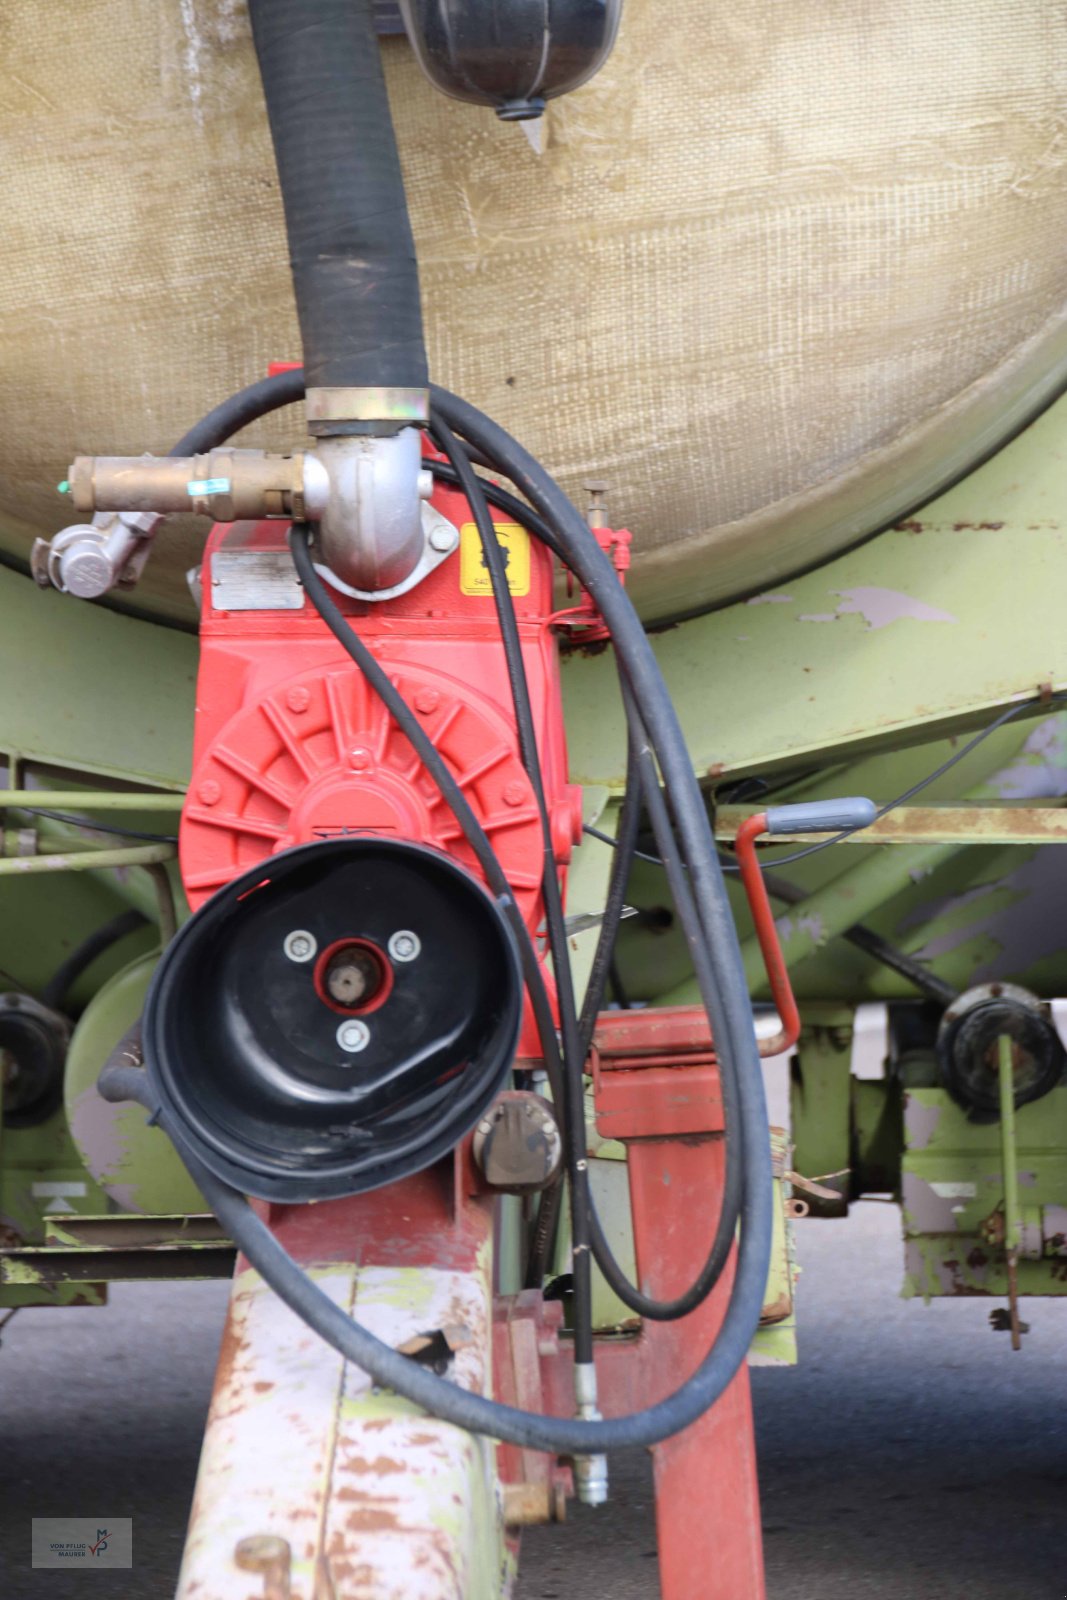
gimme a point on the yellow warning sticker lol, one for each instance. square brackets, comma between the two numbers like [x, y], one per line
[474, 574]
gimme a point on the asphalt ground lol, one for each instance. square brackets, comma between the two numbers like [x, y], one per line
[911, 1455]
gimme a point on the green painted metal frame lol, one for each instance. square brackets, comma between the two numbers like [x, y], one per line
[927, 629]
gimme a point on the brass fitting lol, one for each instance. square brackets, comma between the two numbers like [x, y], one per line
[228, 485]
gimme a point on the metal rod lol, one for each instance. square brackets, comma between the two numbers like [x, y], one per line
[93, 799]
[168, 915]
[960, 824]
[141, 855]
[1006, 1083]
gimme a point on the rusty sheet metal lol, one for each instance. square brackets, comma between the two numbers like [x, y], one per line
[375, 1500]
[966, 824]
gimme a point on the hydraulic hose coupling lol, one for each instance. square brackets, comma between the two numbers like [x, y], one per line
[590, 1472]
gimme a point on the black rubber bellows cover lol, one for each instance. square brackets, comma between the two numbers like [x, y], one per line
[242, 1043]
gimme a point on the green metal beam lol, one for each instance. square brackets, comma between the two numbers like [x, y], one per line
[977, 824]
[925, 630]
[97, 691]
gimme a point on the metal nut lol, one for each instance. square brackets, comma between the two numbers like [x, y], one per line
[404, 945]
[353, 1035]
[300, 945]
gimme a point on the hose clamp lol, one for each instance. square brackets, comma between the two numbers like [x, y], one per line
[325, 407]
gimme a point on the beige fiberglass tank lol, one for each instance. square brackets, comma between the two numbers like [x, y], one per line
[776, 273]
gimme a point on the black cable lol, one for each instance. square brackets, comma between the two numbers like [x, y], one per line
[890, 805]
[932, 777]
[97, 827]
[83, 955]
[639, 855]
[576, 1154]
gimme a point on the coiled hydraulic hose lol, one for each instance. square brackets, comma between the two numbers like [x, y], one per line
[719, 974]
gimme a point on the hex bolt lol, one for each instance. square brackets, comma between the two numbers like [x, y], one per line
[443, 539]
[353, 1036]
[300, 945]
[404, 945]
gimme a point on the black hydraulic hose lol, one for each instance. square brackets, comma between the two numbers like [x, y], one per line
[83, 955]
[622, 861]
[730, 1206]
[240, 410]
[726, 1002]
[587, 1228]
[573, 1109]
[729, 1010]
[351, 248]
[438, 1396]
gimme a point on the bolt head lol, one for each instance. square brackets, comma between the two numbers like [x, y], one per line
[261, 1552]
[300, 945]
[443, 539]
[359, 759]
[404, 945]
[298, 699]
[427, 700]
[210, 792]
[514, 793]
[353, 1036]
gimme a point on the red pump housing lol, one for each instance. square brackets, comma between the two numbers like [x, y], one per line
[292, 745]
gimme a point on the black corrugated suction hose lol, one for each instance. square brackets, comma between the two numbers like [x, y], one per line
[350, 244]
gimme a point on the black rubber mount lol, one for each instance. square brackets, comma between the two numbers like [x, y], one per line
[243, 1049]
[967, 1055]
[35, 1045]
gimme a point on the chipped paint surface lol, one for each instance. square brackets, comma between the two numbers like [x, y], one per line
[921, 1118]
[1014, 922]
[1039, 772]
[952, 1185]
[396, 1505]
[802, 925]
[879, 607]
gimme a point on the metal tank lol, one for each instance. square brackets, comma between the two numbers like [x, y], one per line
[779, 319]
